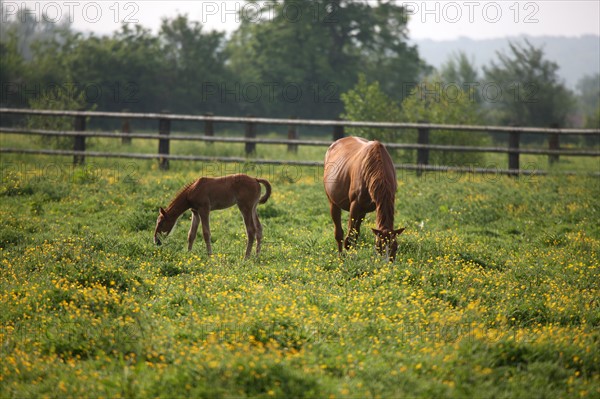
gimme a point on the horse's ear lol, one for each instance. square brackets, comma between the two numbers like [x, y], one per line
[162, 211]
[378, 233]
[399, 231]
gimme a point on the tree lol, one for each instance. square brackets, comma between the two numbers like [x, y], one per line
[431, 100]
[592, 121]
[589, 99]
[125, 70]
[11, 72]
[382, 42]
[367, 102]
[435, 102]
[526, 88]
[29, 28]
[21, 36]
[309, 52]
[56, 98]
[459, 70]
[196, 60]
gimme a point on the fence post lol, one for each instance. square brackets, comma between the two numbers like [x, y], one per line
[250, 133]
[513, 156]
[164, 129]
[553, 144]
[79, 142]
[292, 135]
[208, 127]
[125, 129]
[422, 153]
[338, 131]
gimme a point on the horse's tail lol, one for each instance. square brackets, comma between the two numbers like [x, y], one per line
[267, 185]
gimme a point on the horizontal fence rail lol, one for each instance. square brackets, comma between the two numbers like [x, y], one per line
[164, 137]
[300, 122]
[321, 143]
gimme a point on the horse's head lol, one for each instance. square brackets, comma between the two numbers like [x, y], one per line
[385, 242]
[164, 225]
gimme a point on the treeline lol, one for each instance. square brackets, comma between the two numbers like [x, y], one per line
[281, 67]
[299, 64]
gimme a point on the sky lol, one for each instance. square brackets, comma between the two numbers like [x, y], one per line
[436, 20]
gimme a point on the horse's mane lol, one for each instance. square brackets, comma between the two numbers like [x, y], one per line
[179, 194]
[380, 178]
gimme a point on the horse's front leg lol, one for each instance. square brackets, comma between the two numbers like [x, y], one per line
[193, 229]
[354, 222]
[206, 229]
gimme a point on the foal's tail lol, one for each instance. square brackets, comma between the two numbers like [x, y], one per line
[267, 185]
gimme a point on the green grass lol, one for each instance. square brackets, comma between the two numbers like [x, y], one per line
[494, 292]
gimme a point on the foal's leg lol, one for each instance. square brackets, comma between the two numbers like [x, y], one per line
[354, 222]
[250, 230]
[193, 229]
[336, 215]
[258, 229]
[206, 229]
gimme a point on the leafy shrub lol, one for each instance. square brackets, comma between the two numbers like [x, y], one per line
[57, 98]
[435, 102]
[368, 103]
[430, 101]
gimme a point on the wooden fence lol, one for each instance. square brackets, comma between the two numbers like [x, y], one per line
[164, 137]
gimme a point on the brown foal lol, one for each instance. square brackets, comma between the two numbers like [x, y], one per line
[207, 194]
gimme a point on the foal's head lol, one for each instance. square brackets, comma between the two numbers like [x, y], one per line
[385, 242]
[164, 225]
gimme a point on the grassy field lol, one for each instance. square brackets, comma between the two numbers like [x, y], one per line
[494, 292]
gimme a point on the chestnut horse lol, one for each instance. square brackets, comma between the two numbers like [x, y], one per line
[360, 177]
[207, 194]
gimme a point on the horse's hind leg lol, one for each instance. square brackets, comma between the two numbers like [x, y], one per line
[258, 229]
[336, 216]
[250, 229]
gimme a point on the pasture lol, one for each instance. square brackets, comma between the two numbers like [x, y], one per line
[494, 291]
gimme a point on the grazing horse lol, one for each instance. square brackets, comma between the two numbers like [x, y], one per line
[207, 194]
[360, 177]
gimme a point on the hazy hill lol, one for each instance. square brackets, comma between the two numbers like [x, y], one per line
[576, 56]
